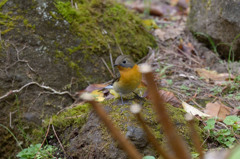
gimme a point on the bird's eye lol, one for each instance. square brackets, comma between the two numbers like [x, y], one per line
[124, 61]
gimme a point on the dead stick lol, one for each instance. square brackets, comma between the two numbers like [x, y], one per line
[194, 135]
[127, 146]
[111, 59]
[44, 138]
[135, 109]
[175, 141]
[58, 140]
[109, 70]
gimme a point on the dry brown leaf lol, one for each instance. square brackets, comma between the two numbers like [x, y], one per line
[170, 31]
[235, 111]
[155, 9]
[170, 98]
[160, 34]
[217, 109]
[186, 48]
[217, 78]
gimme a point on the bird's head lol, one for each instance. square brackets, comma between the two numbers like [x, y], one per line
[124, 61]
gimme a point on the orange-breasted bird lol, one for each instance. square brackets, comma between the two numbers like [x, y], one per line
[130, 77]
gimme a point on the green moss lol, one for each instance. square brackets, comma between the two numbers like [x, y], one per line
[37, 135]
[74, 116]
[2, 3]
[27, 24]
[99, 25]
[6, 20]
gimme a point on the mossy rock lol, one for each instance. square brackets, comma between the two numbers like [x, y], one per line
[102, 26]
[93, 135]
[59, 46]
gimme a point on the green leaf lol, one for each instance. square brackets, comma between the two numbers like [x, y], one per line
[224, 132]
[210, 124]
[231, 120]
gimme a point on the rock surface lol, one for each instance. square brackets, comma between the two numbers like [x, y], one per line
[93, 140]
[218, 19]
[41, 42]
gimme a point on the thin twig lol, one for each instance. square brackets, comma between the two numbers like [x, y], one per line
[118, 46]
[44, 138]
[196, 103]
[18, 59]
[58, 140]
[76, 6]
[111, 59]
[188, 56]
[109, 70]
[10, 118]
[39, 85]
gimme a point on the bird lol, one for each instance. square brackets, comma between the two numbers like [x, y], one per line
[130, 76]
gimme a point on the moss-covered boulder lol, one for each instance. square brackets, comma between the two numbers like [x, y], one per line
[59, 45]
[93, 140]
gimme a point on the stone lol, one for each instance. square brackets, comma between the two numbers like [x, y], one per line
[218, 19]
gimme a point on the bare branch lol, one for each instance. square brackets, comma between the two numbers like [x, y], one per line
[58, 140]
[18, 58]
[104, 62]
[39, 85]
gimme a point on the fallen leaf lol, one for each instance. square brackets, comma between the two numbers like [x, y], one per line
[194, 111]
[170, 32]
[235, 111]
[98, 95]
[93, 87]
[150, 23]
[185, 48]
[160, 34]
[217, 78]
[170, 98]
[154, 9]
[217, 109]
[114, 93]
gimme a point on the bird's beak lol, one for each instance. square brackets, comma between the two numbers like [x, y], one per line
[115, 65]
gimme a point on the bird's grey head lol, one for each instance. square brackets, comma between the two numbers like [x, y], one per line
[124, 61]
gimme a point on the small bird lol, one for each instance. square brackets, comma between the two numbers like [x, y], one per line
[130, 77]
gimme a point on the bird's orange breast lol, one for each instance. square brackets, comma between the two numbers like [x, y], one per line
[130, 79]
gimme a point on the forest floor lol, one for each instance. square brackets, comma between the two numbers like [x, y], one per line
[192, 72]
